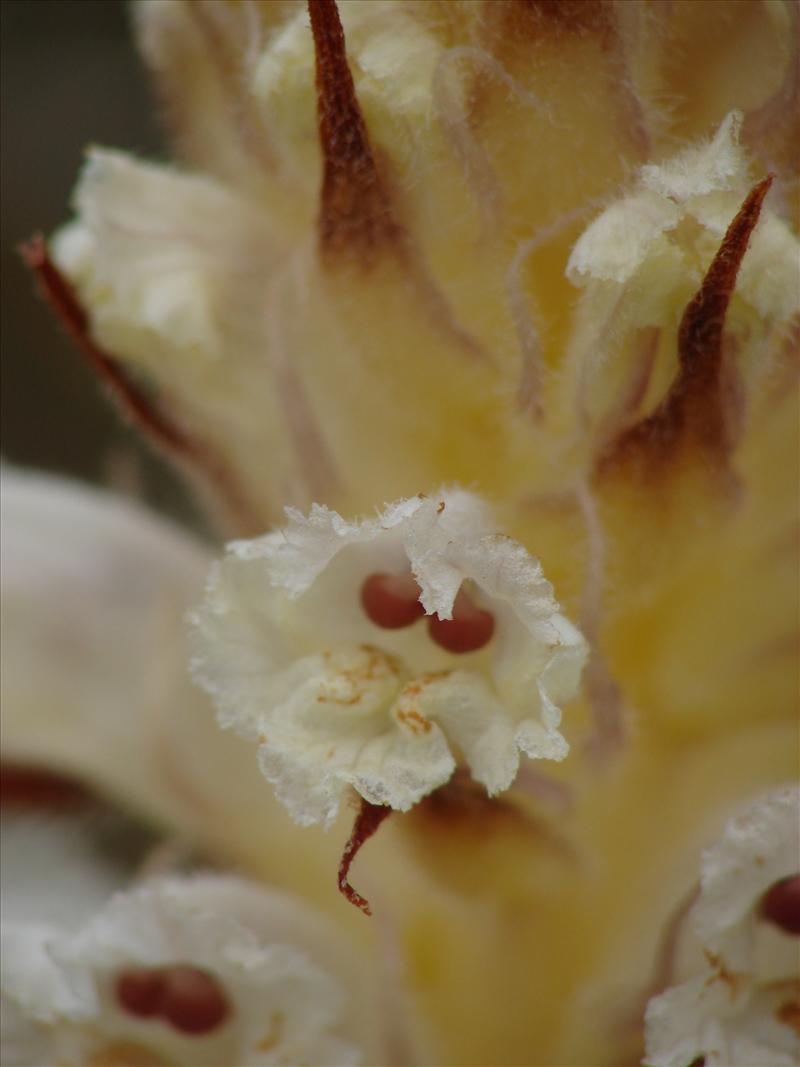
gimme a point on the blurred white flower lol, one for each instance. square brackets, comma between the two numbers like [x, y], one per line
[56, 865]
[312, 643]
[202, 971]
[743, 1007]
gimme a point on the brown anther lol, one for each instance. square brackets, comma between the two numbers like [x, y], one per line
[470, 628]
[140, 992]
[391, 601]
[780, 905]
[193, 1002]
[369, 818]
[187, 998]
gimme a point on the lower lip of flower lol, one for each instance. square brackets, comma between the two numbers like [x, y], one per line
[187, 998]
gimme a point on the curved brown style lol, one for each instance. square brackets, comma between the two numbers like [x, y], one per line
[369, 818]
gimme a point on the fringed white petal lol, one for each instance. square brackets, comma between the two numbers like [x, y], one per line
[705, 168]
[292, 659]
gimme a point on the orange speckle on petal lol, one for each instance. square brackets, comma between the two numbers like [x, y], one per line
[124, 1054]
[273, 1035]
[731, 979]
[416, 723]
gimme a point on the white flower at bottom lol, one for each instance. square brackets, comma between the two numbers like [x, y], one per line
[312, 642]
[206, 971]
[743, 1007]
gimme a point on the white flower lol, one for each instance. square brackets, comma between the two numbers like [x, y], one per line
[92, 587]
[743, 1008]
[312, 642]
[205, 971]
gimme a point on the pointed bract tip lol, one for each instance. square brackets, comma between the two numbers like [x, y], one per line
[355, 211]
[697, 408]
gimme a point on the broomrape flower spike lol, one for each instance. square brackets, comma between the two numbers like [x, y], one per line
[742, 1004]
[175, 972]
[370, 235]
[378, 654]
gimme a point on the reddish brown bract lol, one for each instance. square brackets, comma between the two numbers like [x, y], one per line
[566, 16]
[355, 213]
[695, 411]
[132, 401]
